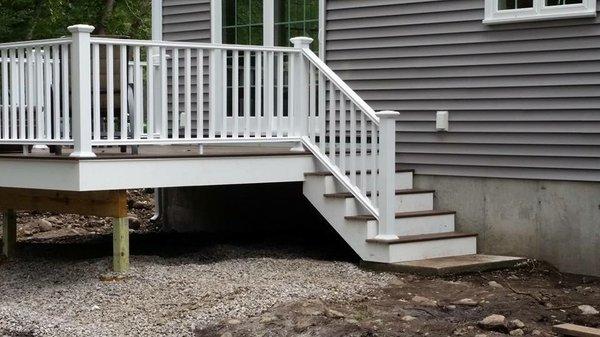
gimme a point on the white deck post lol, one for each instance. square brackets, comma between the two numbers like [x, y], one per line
[387, 173]
[81, 84]
[301, 91]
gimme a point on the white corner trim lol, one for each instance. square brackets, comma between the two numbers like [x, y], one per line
[539, 12]
[216, 21]
[157, 29]
[322, 29]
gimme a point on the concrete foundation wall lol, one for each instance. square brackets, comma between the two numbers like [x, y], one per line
[554, 221]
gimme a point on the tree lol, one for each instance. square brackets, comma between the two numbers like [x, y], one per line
[40, 19]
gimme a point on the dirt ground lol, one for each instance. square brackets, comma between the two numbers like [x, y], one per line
[535, 294]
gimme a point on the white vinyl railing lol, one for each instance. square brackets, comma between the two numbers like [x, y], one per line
[89, 91]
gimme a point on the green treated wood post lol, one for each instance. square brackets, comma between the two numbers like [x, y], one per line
[121, 245]
[9, 233]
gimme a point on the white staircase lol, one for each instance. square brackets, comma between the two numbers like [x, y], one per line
[423, 233]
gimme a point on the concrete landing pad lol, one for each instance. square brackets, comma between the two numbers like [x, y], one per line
[449, 265]
[576, 330]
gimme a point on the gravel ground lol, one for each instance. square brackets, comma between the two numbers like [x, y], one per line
[167, 295]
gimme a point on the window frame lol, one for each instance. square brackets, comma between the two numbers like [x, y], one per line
[539, 12]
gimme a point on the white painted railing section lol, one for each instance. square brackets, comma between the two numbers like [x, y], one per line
[90, 91]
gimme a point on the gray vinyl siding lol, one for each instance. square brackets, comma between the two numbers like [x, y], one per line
[524, 99]
[186, 20]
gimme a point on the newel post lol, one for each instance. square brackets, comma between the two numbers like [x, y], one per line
[81, 86]
[387, 173]
[300, 86]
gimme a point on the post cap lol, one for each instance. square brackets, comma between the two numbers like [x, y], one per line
[387, 114]
[81, 29]
[301, 41]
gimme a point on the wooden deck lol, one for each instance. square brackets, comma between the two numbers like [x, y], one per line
[165, 151]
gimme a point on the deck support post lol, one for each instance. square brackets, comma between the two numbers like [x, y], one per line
[81, 84]
[9, 233]
[121, 245]
[387, 173]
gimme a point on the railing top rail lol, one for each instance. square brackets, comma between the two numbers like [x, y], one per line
[149, 43]
[35, 43]
[333, 77]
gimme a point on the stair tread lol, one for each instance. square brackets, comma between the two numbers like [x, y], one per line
[343, 195]
[424, 237]
[327, 173]
[401, 215]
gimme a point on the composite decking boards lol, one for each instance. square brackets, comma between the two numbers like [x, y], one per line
[523, 98]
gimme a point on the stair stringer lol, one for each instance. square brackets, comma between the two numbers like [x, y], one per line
[333, 210]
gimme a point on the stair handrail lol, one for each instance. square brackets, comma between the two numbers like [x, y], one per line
[380, 200]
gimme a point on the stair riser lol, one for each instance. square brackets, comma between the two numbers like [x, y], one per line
[404, 203]
[404, 181]
[424, 225]
[432, 249]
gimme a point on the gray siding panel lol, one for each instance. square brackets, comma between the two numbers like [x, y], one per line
[186, 20]
[524, 98]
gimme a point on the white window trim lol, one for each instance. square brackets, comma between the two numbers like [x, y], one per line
[539, 12]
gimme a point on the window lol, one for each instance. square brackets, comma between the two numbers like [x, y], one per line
[243, 22]
[296, 18]
[506, 11]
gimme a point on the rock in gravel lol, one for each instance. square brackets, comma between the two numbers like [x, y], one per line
[408, 318]
[141, 205]
[134, 222]
[424, 301]
[516, 324]
[227, 334]
[334, 313]
[268, 318]
[495, 284]
[587, 310]
[234, 322]
[467, 302]
[536, 333]
[480, 335]
[302, 325]
[516, 332]
[494, 323]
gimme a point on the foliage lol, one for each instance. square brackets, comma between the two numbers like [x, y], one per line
[40, 19]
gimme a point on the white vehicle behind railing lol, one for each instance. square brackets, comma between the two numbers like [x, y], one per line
[86, 91]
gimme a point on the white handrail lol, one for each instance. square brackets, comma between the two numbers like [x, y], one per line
[342, 86]
[35, 43]
[172, 44]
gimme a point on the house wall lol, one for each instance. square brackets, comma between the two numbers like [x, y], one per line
[555, 221]
[186, 20]
[524, 99]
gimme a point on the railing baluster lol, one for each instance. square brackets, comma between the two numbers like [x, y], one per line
[352, 157]
[290, 95]
[110, 93]
[332, 120]
[342, 132]
[312, 129]
[247, 97]
[269, 104]
[96, 89]
[124, 88]
[47, 92]
[39, 71]
[5, 126]
[213, 89]
[175, 94]
[200, 93]
[280, 126]
[137, 89]
[187, 72]
[374, 166]
[225, 91]
[65, 93]
[363, 152]
[30, 94]
[164, 92]
[56, 90]
[322, 113]
[150, 57]
[22, 121]
[235, 68]
[14, 94]
[258, 93]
